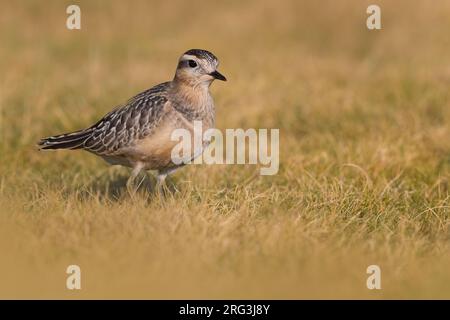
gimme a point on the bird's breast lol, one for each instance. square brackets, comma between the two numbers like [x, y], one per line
[155, 150]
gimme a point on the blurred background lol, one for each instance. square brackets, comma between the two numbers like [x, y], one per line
[364, 143]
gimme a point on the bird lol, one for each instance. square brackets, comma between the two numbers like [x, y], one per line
[137, 134]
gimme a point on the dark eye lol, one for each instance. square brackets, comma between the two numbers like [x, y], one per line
[192, 63]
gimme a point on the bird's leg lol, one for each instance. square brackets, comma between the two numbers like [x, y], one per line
[161, 183]
[131, 187]
[172, 184]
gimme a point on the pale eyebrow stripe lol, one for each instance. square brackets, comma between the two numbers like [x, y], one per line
[189, 57]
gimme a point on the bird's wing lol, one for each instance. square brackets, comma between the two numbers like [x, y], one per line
[128, 123]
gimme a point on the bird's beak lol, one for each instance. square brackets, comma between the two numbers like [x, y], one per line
[217, 75]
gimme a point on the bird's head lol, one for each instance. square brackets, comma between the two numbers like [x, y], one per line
[198, 67]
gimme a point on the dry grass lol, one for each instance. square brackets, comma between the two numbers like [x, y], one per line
[365, 152]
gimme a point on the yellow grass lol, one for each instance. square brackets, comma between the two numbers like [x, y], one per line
[364, 141]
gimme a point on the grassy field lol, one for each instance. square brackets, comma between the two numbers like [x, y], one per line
[364, 119]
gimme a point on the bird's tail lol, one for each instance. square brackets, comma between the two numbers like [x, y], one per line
[73, 140]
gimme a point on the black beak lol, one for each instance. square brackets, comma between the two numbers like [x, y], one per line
[217, 75]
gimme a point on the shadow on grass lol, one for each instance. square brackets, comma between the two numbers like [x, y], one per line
[114, 187]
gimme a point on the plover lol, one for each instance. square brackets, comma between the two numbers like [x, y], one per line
[137, 134]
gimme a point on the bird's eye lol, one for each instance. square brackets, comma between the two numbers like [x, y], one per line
[192, 63]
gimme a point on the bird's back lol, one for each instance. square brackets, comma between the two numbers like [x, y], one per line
[119, 128]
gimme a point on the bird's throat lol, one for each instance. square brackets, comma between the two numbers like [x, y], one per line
[195, 94]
